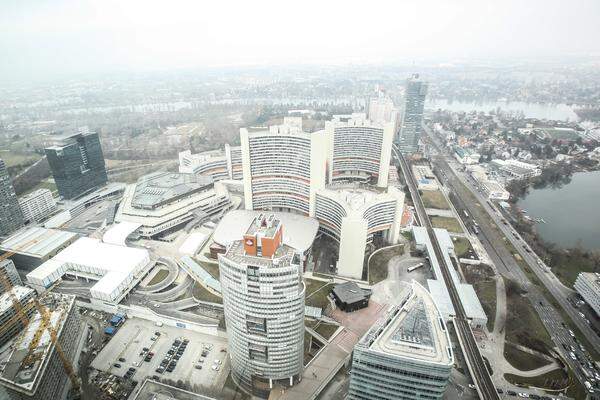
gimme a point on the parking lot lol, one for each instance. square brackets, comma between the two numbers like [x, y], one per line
[131, 346]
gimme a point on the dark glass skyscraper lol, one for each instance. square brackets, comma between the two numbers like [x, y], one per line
[11, 217]
[77, 164]
[414, 102]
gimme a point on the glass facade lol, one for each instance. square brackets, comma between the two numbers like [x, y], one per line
[414, 102]
[11, 216]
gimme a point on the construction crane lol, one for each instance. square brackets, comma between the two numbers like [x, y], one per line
[45, 323]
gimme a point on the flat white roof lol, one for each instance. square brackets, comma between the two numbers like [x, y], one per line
[113, 264]
[118, 233]
[6, 299]
[37, 241]
[193, 243]
[299, 231]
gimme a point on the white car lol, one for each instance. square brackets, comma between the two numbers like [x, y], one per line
[218, 362]
[215, 367]
[525, 395]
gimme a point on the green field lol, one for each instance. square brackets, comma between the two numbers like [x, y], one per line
[200, 293]
[556, 379]
[434, 199]
[378, 263]
[482, 279]
[461, 246]
[324, 329]
[316, 293]
[522, 360]
[448, 223]
[159, 277]
[211, 268]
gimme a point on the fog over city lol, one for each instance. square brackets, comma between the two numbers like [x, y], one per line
[46, 37]
[324, 200]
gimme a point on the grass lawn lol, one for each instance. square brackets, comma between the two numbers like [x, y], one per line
[378, 263]
[324, 329]
[461, 246]
[481, 277]
[434, 199]
[159, 277]
[522, 360]
[316, 293]
[556, 379]
[13, 158]
[448, 223]
[45, 184]
[211, 268]
[200, 293]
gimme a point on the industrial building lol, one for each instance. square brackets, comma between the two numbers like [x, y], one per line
[37, 205]
[468, 297]
[352, 215]
[11, 217]
[359, 149]
[34, 246]
[9, 320]
[263, 298]
[116, 268]
[217, 164]
[77, 164]
[7, 268]
[407, 354]
[350, 297]
[587, 285]
[283, 167]
[162, 202]
[33, 368]
[412, 115]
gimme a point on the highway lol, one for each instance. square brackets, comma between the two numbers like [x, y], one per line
[492, 231]
[477, 368]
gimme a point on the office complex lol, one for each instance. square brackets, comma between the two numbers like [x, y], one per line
[587, 285]
[412, 116]
[162, 202]
[359, 149]
[11, 217]
[77, 164]
[37, 205]
[283, 167]
[407, 354]
[33, 369]
[263, 298]
[12, 323]
[352, 215]
[382, 110]
[218, 164]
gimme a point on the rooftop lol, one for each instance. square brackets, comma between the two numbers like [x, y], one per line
[283, 256]
[156, 189]
[37, 241]
[412, 330]
[299, 232]
[34, 194]
[6, 299]
[356, 196]
[13, 370]
[264, 226]
[350, 292]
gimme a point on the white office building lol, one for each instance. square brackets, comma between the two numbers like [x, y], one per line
[263, 298]
[283, 167]
[587, 285]
[383, 110]
[218, 164]
[37, 205]
[352, 215]
[359, 149]
[407, 354]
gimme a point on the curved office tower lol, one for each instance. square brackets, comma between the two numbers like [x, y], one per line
[282, 167]
[407, 354]
[263, 299]
[353, 215]
[360, 149]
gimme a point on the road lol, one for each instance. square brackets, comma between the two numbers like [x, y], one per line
[492, 232]
[479, 373]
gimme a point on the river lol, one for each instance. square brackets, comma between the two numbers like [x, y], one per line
[558, 112]
[571, 212]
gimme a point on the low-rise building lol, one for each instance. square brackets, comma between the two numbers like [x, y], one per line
[587, 285]
[33, 369]
[466, 156]
[37, 205]
[348, 296]
[494, 190]
[407, 354]
[162, 202]
[217, 164]
[425, 178]
[516, 169]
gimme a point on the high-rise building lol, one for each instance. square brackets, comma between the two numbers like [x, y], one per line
[382, 110]
[407, 354]
[218, 164]
[41, 375]
[7, 268]
[9, 320]
[359, 149]
[77, 164]
[587, 285]
[263, 299]
[11, 217]
[283, 167]
[37, 205]
[412, 117]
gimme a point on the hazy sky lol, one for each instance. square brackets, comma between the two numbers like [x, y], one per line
[40, 37]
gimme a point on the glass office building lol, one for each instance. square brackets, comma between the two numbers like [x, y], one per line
[11, 217]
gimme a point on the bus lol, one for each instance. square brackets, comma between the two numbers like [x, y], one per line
[466, 213]
[411, 269]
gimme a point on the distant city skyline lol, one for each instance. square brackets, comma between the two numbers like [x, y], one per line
[42, 38]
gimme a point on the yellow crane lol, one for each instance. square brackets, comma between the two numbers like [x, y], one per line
[45, 323]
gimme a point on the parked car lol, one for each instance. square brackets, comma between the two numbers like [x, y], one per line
[117, 365]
